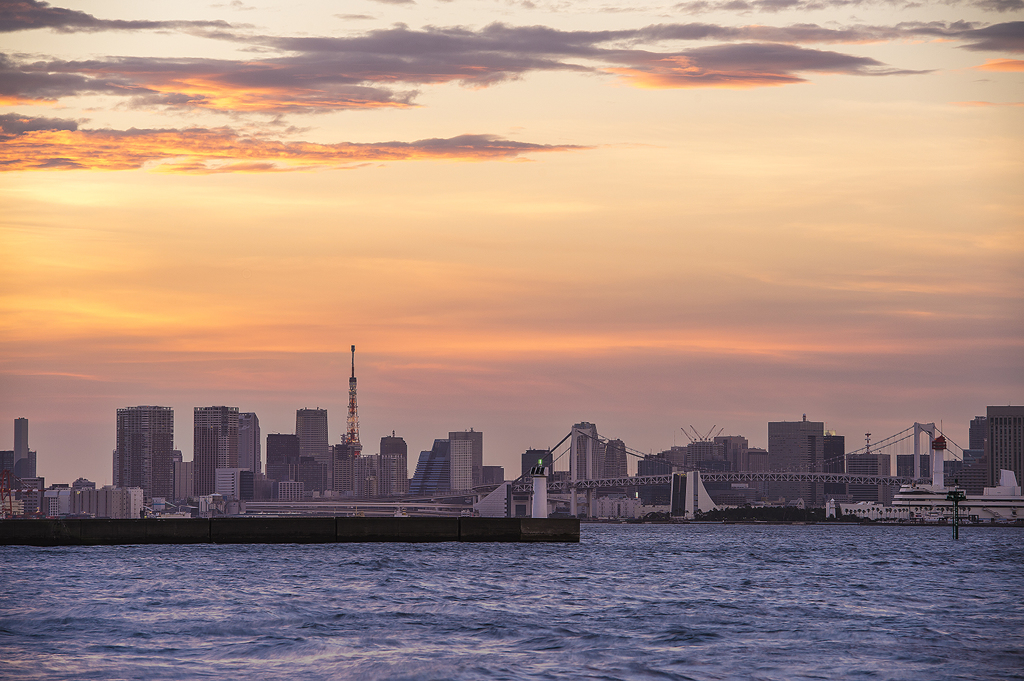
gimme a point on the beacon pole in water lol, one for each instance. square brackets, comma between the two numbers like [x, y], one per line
[956, 495]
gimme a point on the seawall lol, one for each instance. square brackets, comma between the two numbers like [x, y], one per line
[284, 530]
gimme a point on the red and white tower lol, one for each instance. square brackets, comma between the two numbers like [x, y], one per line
[352, 430]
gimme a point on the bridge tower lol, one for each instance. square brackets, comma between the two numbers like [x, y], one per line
[920, 428]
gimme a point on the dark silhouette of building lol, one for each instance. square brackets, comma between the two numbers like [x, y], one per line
[282, 456]
[433, 472]
[144, 453]
[493, 475]
[311, 428]
[250, 455]
[1005, 442]
[215, 445]
[654, 495]
[797, 446]
[977, 433]
[614, 459]
[834, 453]
[394, 466]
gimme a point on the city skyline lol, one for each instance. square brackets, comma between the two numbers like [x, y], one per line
[525, 215]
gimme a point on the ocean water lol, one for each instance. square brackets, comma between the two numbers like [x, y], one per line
[627, 602]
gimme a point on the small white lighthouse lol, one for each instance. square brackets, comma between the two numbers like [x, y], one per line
[540, 490]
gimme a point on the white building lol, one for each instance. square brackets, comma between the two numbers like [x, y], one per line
[229, 483]
[108, 502]
[617, 507]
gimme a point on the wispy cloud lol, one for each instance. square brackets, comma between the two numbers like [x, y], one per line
[773, 6]
[36, 143]
[23, 15]
[361, 71]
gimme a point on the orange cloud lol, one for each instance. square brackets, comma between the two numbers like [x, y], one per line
[219, 150]
[1002, 65]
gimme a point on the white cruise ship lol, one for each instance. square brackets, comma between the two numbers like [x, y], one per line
[1003, 503]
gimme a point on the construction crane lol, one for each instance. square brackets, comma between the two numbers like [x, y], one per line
[697, 437]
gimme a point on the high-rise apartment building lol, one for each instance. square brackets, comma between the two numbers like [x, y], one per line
[614, 464]
[311, 428]
[249, 449]
[143, 457]
[797, 446]
[394, 466]
[24, 458]
[215, 445]
[475, 440]
[1005, 443]
[587, 451]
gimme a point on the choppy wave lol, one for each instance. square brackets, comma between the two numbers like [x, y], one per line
[628, 602]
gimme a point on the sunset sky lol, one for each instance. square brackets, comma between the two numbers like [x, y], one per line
[523, 214]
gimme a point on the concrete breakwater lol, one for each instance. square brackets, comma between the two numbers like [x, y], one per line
[283, 530]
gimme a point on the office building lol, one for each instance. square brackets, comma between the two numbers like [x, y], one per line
[394, 466]
[343, 459]
[834, 452]
[734, 449]
[494, 475]
[235, 484]
[215, 445]
[977, 433]
[24, 459]
[143, 456]
[655, 495]
[797, 446]
[366, 473]
[184, 480]
[311, 428]
[475, 440]
[108, 502]
[249, 449]
[461, 464]
[282, 456]
[1005, 442]
[433, 471]
[7, 461]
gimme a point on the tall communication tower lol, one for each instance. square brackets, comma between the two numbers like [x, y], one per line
[352, 432]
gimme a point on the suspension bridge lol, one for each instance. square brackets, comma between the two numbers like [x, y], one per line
[583, 451]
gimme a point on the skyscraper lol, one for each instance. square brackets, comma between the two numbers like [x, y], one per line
[834, 453]
[394, 466]
[144, 454]
[585, 441]
[797, 446]
[614, 460]
[475, 440]
[1005, 444]
[215, 445]
[249, 450]
[282, 456]
[461, 463]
